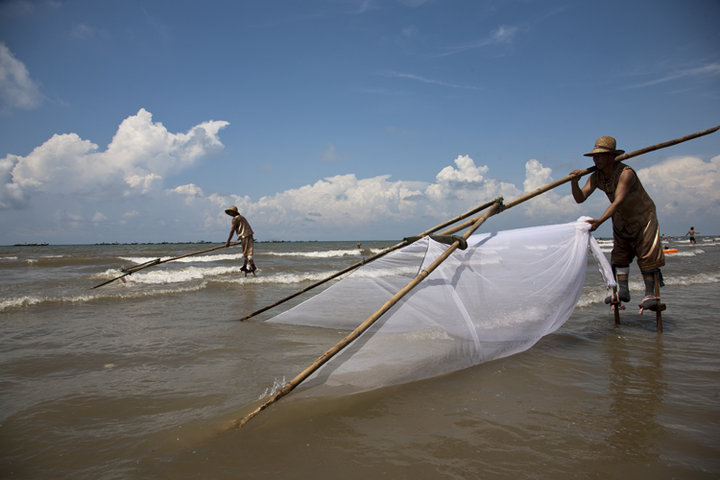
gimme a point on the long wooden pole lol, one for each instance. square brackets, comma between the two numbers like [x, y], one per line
[434, 229]
[495, 207]
[157, 261]
[566, 179]
[367, 323]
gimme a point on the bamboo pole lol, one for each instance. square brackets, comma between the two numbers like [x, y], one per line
[616, 306]
[372, 258]
[582, 173]
[367, 323]
[495, 207]
[660, 305]
[157, 261]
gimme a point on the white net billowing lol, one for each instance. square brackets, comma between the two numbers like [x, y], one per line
[496, 298]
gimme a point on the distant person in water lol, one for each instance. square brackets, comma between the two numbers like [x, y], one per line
[666, 241]
[692, 234]
[241, 226]
[635, 227]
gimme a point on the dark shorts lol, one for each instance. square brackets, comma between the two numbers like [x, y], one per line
[247, 245]
[645, 245]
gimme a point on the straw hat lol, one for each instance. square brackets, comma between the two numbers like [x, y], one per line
[232, 211]
[605, 145]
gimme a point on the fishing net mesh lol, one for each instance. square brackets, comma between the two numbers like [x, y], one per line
[498, 297]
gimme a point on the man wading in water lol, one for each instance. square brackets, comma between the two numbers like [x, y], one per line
[241, 226]
[635, 227]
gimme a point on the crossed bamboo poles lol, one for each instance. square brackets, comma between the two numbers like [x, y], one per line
[493, 207]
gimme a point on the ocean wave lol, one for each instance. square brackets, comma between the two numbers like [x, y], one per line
[686, 253]
[299, 277]
[695, 279]
[353, 252]
[26, 301]
[157, 277]
[597, 295]
[192, 259]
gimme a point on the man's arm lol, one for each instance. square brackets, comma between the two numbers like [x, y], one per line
[232, 230]
[627, 179]
[581, 194]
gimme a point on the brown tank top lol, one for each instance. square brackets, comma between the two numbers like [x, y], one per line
[636, 210]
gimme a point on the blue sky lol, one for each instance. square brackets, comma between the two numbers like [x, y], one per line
[343, 119]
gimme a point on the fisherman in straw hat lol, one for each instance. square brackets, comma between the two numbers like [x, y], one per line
[241, 226]
[635, 227]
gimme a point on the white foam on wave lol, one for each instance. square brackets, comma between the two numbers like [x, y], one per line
[183, 275]
[597, 295]
[289, 278]
[26, 301]
[192, 259]
[10, 258]
[317, 254]
[353, 252]
[695, 279]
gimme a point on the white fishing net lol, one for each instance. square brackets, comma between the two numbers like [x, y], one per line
[496, 298]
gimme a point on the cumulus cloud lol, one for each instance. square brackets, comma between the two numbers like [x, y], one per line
[17, 89]
[76, 185]
[140, 154]
[684, 186]
[553, 203]
[189, 190]
[345, 202]
[459, 187]
[341, 199]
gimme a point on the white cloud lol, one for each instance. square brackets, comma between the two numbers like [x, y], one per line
[189, 190]
[17, 89]
[340, 200]
[684, 186]
[140, 154]
[77, 186]
[142, 183]
[553, 203]
[456, 189]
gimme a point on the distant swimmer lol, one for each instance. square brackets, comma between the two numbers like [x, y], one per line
[692, 234]
[241, 226]
[635, 225]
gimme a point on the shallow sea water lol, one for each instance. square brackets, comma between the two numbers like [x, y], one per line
[140, 379]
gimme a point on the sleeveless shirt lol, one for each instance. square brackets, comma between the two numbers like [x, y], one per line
[633, 215]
